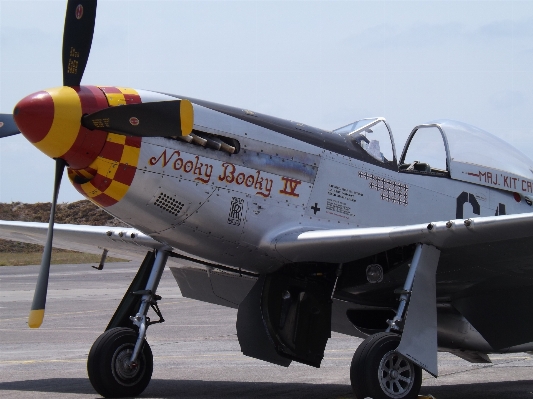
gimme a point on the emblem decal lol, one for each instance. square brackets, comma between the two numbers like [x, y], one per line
[253, 181]
[79, 11]
[134, 121]
[235, 212]
[1, 124]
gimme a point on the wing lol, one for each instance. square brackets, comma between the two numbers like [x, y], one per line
[126, 243]
[485, 269]
[345, 245]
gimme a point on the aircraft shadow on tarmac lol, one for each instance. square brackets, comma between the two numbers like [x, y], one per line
[235, 389]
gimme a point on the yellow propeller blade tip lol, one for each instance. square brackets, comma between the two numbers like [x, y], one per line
[36, 318]
[186, 117]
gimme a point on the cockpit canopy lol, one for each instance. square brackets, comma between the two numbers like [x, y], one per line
[446, 148]
[467, 153]
[373, 135]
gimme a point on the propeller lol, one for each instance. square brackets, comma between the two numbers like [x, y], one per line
[154, 119]
[39, 297]
[77, 39]
[7, 126]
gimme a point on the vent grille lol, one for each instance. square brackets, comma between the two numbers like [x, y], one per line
[169, 204]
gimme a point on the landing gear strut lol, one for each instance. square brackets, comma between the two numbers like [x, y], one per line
[388, 365]
[120, 362]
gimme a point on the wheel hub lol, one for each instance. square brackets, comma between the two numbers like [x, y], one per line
[396, 375]
[125, 372]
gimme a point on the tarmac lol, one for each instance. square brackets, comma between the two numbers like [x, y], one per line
[196, 352]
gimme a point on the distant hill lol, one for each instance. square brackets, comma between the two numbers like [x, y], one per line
[80, 212]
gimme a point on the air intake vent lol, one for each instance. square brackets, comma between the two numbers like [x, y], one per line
[169, 204]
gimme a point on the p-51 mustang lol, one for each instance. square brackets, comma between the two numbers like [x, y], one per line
[305, 231]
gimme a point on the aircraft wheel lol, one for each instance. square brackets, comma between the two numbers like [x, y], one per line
[379, 372]
[108, 368]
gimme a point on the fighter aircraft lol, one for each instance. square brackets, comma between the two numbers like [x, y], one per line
[304, 231]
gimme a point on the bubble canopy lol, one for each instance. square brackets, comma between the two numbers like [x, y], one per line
[477, 156]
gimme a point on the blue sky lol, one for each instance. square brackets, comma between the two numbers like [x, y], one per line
[323, 63]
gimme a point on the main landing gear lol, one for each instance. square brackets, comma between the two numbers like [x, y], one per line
[120, 362]
[388, 365]
[379, 372]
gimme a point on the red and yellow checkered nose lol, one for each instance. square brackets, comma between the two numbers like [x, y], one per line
[107, 180]
[51, 120]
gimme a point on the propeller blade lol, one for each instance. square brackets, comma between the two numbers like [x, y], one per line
[39, 297]
[155, 119]
[7, 126]
[77, 39]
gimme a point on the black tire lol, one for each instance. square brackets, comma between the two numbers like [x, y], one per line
[108, 372]
[371, 363]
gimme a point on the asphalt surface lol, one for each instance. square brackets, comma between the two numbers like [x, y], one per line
[196, 352]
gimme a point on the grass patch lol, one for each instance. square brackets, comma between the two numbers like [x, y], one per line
[60, 257]
[13, 253]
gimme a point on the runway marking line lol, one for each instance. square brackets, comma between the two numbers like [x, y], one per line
[41, 361]
[54, 315]
[192, 357]
[515, 359]
[215, 355]
[85, 311]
